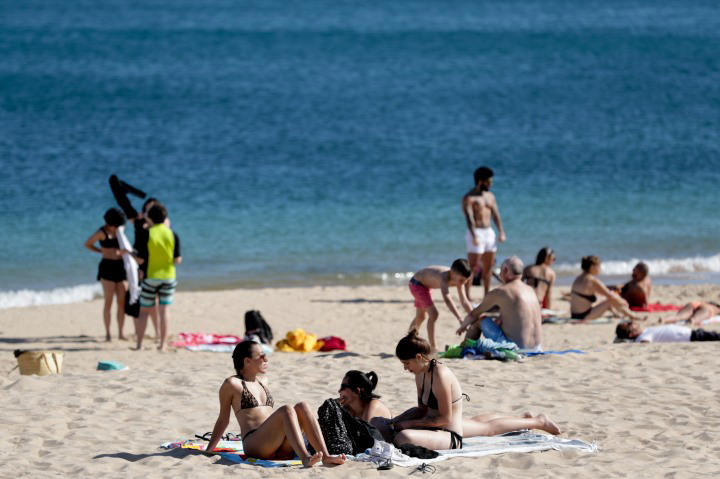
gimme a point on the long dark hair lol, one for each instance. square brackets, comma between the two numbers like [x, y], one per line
[543, 254]
[242, 350]
[411, 345]
[364, 382]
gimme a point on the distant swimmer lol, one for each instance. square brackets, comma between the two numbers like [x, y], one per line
[584, 291]
[480, 206]
[438, 277]
[541, 277]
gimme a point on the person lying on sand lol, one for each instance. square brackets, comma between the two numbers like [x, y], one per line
[583, 300]
[266, 433]
[668, 333]
[694, 313]
[437, 422]
[357, 397]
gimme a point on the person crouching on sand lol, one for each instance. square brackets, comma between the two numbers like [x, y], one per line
[266, 433]
[442, 277]
[357, 397]
[437, 422]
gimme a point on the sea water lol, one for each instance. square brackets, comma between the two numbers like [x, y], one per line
[329, 142]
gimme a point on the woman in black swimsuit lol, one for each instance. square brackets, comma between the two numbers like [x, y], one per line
[267, 433]
[541, 277]
[437, 422]
[584, 290]
[111, 270]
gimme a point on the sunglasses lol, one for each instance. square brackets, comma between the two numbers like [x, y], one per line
[262, 356]
[345, 386]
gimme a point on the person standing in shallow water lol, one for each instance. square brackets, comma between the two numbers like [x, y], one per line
[480, 207]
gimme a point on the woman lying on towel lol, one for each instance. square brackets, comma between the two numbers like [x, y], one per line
[694, 313]
[583, 305]
[357, 397]
[266, 433]
[437, 422]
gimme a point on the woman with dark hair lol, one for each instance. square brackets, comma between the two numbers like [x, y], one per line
[111, 270]
[357, 397]
[541, 277]
[437, 422]
[266, 433]
[583, 299]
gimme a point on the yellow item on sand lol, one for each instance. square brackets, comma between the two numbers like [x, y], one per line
[298, 340]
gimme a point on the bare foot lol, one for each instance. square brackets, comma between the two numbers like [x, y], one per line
[122, 338]
[333, 460]
[548, 425]
[162, 348]
[108, 338]
[310, 461]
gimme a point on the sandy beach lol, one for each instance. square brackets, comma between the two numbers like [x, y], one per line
[652, 409]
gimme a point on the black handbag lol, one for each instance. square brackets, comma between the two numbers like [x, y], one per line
[343, 432]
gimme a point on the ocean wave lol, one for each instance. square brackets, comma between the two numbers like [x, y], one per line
[660, 266]
[29, 297]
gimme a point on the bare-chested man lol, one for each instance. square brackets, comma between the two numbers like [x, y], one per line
[438, 277]
[637, 291]
[479, 206]
[520, 320]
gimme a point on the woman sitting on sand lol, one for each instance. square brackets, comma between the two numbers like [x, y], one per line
[694, 313]
[541, 277]
[266, 433]
[437, 422]
[584, 290]
[357, 397]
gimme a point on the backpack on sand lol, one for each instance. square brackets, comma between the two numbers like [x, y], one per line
[256, 324]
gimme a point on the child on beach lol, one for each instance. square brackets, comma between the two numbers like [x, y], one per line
[438, 277]
[163, 247]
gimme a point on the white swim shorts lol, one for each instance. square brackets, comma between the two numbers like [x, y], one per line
[486, 237]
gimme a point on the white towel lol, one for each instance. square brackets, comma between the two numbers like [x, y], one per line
[131, 266]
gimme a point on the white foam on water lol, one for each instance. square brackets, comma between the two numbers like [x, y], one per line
[29, 297]
[660, 266]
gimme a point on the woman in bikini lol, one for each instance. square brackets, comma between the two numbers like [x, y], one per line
[357, 397]
[694, 313]
[583, 293]
[266, 433]
[111, 270]
[437, 422]
[541, 277]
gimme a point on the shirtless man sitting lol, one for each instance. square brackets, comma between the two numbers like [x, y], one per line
[637, 291]
[479, 206]
[520, 319]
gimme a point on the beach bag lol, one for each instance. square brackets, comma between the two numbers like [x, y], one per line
[256, 324]
[344, 433]
[41, 363]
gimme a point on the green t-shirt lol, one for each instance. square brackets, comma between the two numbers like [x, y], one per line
[163, 248]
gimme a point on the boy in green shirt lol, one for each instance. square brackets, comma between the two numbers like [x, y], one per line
[163, 254]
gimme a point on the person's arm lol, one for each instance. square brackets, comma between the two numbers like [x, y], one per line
[600, 288]
[223, 418]
[469, 217]
[94, 238]
[442, 390]
[448, 300]
[120, 195]
[488, 302]
[548, 294]
[463, 299]
[495, 212]
[177, 257]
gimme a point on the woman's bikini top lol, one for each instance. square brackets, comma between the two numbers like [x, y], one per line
[535, 280]
[432, 402]
[588, 297]
[109, 242]
[248, 401]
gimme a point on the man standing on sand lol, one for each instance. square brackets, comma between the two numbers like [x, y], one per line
[479, 206]
[520, 319]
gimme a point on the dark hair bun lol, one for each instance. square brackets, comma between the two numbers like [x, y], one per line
[373, 379]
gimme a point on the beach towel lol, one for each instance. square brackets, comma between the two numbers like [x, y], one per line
[526, 441]
[232, 451]
[656, 308]
[216, 343]
[131, 266]
[554, 320]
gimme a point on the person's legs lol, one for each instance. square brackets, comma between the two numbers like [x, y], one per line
[154, 314]
[434, 440]
[164, 311]
[280, 426]
[418, 320]
[701, 313]
[702, 335]
[681, 316]
[140, 325]
[120, 290]
[488, 260]
[490, 425]
[474, 260]
[598, 310]
[432, 317]
[108, 293]
[310, 426]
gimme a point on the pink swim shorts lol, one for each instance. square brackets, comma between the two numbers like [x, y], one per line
[421, 293]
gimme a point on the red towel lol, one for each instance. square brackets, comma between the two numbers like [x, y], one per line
[657, 307]
[332, 343]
